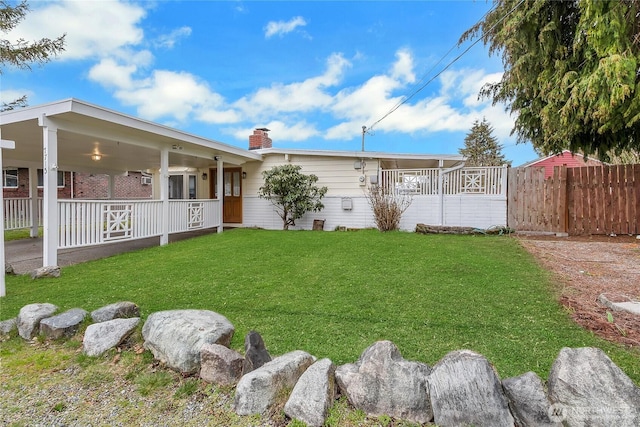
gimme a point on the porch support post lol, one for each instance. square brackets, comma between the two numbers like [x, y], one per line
[164, 195]
[3, 291]
[441, 192]
[33, 201]
[219, 191]
[50, 192]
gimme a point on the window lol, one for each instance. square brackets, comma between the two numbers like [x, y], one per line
[176, 186]
[10, 178]
[192, 186]
[41, 178]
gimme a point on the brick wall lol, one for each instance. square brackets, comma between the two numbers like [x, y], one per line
[259, 139]
[22, 191]
[87, 186]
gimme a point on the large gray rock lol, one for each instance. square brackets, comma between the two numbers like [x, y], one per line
[255, 352]
[100, 337]
[257, 390]
[383, 383]
[465, 390]
[64, 324]
[30, 316]
[6, 326]
[118, 310]
[528, 401]
[175, 337]
[220, 365]
[50, 271]
[313, 394]
[588, 389]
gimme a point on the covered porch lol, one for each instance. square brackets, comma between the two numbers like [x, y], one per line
[72, 135]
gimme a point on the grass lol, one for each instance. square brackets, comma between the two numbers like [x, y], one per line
[334, 294]
[22, 233]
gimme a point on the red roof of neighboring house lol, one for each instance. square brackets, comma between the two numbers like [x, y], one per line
[565, 158]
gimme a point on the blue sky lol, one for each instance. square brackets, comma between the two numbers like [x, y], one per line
[312, 72]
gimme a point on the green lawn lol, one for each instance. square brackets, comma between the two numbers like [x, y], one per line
[335, 293]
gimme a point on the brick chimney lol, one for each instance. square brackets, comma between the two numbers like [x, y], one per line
[259, 139]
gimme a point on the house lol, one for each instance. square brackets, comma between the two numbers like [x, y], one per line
[566, 158]
[203, 183]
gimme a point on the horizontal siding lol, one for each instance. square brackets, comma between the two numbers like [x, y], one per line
[261, 213]
[475, 211]
[336, 173]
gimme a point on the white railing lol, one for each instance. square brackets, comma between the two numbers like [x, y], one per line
[490, 180]
[17, 213]
[94, 222]
[187, 215]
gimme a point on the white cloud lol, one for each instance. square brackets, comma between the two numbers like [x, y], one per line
[168, 41]
[93, 28]
[403, 67]
[9, 95]
[299, 131]
[305, 96]
[281, 28]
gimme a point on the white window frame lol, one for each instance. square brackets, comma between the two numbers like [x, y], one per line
[40, 178]
[4, 177]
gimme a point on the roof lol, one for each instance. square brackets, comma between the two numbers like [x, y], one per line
[125, 142]
[401, 160]
[563, 153]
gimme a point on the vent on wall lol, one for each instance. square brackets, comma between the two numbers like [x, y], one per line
[146, 180]
[347, 203]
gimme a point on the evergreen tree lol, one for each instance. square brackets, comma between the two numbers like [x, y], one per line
[481, 148]
[571, 72]
[21, 53]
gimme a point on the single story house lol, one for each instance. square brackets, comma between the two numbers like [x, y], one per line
[566, 158]
[197, 182]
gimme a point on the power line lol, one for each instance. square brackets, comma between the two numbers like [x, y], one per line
[415, 92]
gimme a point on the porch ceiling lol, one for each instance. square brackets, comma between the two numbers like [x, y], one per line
[124, 142]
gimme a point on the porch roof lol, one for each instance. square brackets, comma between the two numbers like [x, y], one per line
[124, 142]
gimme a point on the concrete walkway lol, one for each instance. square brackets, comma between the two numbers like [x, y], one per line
[26, 255]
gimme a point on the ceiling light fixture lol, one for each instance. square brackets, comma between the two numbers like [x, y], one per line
[96, 157]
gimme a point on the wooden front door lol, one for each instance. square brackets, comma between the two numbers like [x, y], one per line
[232, 187]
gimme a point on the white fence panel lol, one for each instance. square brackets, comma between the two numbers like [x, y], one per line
[188, 215]
[17, 213]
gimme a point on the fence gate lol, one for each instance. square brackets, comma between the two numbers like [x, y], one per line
[578, 201]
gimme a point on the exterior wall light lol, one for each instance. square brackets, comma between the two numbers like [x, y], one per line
[204, 176]
[244, 175]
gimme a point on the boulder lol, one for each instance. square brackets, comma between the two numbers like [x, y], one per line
[100, 337]
[63, 325]
[6, 326]
[255, 352]
[220, 365]
[8, 269]
[118, 310]
[587, 388]
[383, 383]
[175, 337]
[257, 390]
[50, 271]
[465, 390]
[313, 394]
[528, 401]
[30, 316]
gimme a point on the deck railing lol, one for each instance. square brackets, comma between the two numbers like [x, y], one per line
[94, 222]
[490, 180]
[17, 213]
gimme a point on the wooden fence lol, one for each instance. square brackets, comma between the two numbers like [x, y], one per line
[577, 201]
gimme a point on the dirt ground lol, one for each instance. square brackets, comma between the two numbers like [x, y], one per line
[584, 268]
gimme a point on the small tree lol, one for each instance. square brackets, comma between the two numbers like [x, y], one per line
[387, 207]
[481, 148]
[291, 192]
[22, 54]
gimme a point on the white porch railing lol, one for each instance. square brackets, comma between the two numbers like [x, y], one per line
[490, 180]
[17, 213]
[94, 222]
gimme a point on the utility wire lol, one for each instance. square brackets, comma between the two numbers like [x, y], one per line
[414, 93]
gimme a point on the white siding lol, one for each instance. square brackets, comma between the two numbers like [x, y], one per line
[340, 176]
[261, 213]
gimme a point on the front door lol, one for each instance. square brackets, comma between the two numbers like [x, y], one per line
[232, 187]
